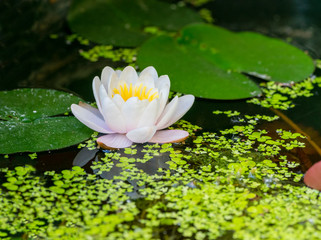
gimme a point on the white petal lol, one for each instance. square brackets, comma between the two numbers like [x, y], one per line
[114, 81]
[119, 101]
[106, 77]
[90, 118]
[91, 109]
[150, 71]
[132, 111]
[163, 82]
[129, 75]
[112, 115]
[184, 104]
[147, 80]
[96, 85]
[167, 114]
[102, 93]
[149, 116]
[141, 135]
[163, 97]
[118, 72]
[112, 141]
[169, 136]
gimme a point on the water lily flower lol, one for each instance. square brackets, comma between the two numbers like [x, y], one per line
[133, 108]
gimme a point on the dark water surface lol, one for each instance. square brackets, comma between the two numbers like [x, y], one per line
[30, 57]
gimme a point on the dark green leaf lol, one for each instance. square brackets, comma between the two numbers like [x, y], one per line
[121, 22]
[26, 124]
[192, 73]
[207, 61]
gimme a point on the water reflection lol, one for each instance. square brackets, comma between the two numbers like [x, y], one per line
[149, 167]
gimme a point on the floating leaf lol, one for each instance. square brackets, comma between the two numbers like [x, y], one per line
[208, 61]
[27, 125]
[122, 22]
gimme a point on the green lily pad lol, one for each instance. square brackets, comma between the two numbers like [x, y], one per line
[209, 61]
[122, 22]
[28, 121]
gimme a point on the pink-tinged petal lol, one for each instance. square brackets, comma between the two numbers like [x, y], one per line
[96, 86]
[169, 136]
[149, 115]
[141, 135]
[90, 118]
[184, 104]
[163, 82]
[167, 114]
[132, 111]
[112, 115]
[150, 71]
[312, 177]
[114, 141]
[129, 75]
[106, 77]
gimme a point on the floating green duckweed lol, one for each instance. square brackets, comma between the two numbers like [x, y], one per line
[33, 155]
[127, 55]
[236, 183]
[206, 15]
[74, 37]
[280, 96]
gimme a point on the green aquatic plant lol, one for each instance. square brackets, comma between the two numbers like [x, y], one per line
[212, 186]
[34, 120]
[280, 96]
[220, 63]
[124, 28]
[127, 55]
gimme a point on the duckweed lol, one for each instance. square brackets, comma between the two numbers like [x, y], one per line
[236, 183]
[279, 96]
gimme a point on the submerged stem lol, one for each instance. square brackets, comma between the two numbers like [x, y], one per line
[298, 129]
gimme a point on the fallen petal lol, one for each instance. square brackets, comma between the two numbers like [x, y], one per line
[312, 177]
[169, 136]
[141, 135]
[114, 141]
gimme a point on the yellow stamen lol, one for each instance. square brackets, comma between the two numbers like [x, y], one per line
[137, 91]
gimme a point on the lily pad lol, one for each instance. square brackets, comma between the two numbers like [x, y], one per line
[30, 121]
[122, 22]
[209, 61]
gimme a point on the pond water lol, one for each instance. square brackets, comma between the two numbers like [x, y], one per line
[171, 191]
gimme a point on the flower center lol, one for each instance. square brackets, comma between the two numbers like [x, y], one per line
[139, 91]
